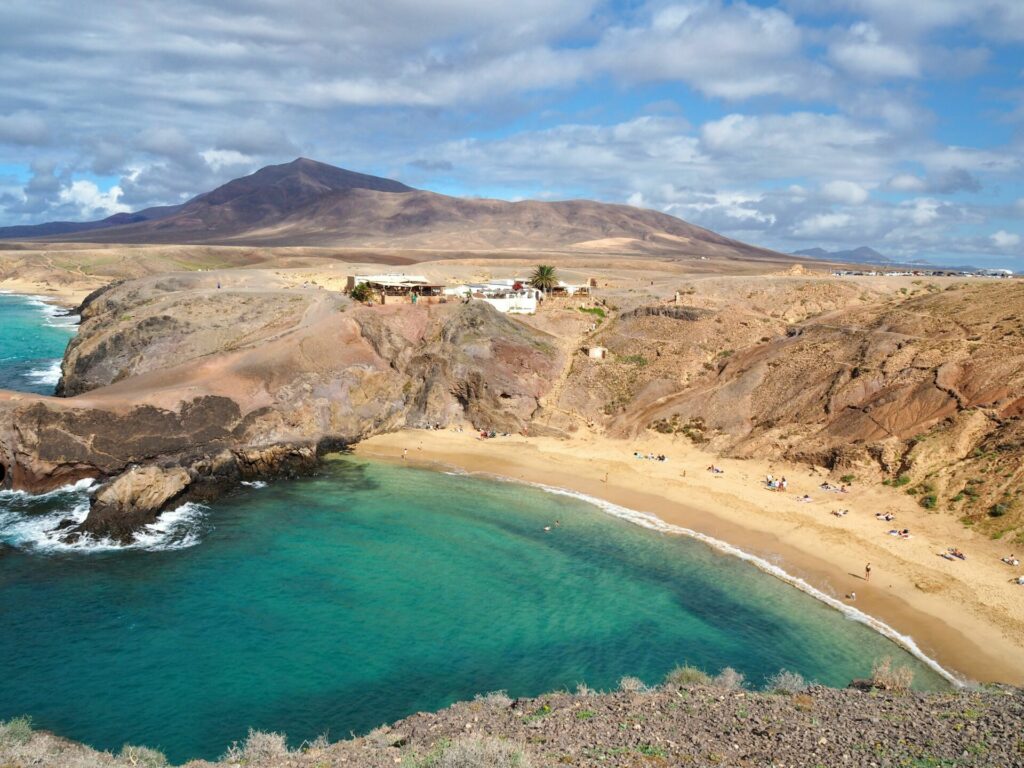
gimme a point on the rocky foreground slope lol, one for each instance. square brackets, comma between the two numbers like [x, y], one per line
[184, 385]
[704, 724]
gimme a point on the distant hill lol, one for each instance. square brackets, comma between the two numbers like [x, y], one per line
[861, 255]
[307, 203]
[52, 228]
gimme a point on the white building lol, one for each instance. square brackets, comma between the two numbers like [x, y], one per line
[503, 295]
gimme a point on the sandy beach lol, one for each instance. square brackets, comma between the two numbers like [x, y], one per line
[62, 294]
[966, 615]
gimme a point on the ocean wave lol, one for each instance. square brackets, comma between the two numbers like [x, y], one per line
[34, 523]
[655, 523]
[50, 375]
[77, 487]
[54, 316]
[257, 484]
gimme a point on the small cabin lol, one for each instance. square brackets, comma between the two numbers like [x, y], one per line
[597, 353]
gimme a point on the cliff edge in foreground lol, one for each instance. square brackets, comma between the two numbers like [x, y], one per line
[710, 723]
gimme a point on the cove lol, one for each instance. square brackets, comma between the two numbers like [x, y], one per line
[34, 336]
[369, 592]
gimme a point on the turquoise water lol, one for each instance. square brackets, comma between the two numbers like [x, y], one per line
[32, 344]
[367, 593]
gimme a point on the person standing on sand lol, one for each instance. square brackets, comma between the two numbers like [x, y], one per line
[404, 452]
[867, 572]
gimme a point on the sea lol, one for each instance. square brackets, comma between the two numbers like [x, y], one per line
[370, 591]
[33, 335]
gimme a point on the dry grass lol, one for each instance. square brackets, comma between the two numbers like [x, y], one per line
[632, 685]
[786, 682]
[729, 679]
[890, 678]
[497, 699]
[259, 749]
[478, 752]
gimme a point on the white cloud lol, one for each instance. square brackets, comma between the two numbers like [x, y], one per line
[863, 52]
[221, 158]
[847, 192]
[906, 182]
[823, 225]
[90, 200]
[730, 51]
[1004, 239]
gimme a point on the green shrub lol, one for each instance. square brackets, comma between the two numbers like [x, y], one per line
[847, 479]
[596, 311]
[361, 292]
[637, 360]
[930, 501]
[998, 510]
[17, 730]
[686, 675]
[902, 480]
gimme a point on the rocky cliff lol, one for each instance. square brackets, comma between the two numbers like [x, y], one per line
[203, 386]
[919, 385]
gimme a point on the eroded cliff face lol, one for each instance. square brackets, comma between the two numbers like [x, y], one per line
[206, 386]
[925, 389]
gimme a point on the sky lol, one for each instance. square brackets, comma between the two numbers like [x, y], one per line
[793, 124]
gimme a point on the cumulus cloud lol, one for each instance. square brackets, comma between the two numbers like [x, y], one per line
[847, 192]
[1004, 239]
[781, 124]
[862, 51]
[90, 201]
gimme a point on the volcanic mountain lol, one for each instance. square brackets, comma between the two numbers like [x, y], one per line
[306, 203]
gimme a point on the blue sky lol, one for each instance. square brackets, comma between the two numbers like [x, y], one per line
[791, 124]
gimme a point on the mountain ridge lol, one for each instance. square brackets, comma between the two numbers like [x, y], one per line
[308, 203]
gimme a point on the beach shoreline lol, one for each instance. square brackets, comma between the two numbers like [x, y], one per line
[63, 296]
[963, 615]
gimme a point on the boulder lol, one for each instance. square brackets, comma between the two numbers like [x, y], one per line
[132, 500]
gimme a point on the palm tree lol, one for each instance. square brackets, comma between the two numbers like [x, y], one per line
[544, 278]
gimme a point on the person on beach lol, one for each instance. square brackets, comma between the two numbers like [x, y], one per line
[404, 452]
[852, 597]
[867, 572]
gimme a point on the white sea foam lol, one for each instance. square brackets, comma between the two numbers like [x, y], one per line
[54, 316]
[24, 527]
[647, 520]
[81, 485]
[257, 484]
[49, 375]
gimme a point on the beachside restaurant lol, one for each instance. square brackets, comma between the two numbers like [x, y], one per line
[400, 289]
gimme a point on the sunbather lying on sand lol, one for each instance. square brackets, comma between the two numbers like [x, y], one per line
[1011, 560]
